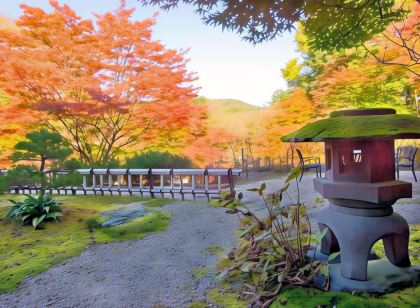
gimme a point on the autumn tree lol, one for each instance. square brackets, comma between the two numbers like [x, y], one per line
[349, 78]
[360, 83]
[41, 146]
[399, 44]
[102, 84]
[284, 116]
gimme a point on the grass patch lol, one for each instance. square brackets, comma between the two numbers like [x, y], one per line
[158, 202]
[301, 297]
[223, 297]
[27, 252]
[199, 304]
[213, 250]
[134, 229]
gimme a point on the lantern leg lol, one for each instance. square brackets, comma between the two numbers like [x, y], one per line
[396, 249]
[354, 259]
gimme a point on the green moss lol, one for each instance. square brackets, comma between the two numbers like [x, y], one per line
[199, 304]
[158, 202]
[224, 262]
[27, 252]
[223, 297]
[357, 127]
[200, 272]
[301, 297]
[134, 229]
[212, 250]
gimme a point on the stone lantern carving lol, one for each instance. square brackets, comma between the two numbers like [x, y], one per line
[360, 185]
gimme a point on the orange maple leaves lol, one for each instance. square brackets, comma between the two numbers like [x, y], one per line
[103, 84]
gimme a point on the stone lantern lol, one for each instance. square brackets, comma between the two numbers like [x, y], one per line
[360, 185]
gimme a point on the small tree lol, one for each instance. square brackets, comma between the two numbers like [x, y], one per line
[42, 145]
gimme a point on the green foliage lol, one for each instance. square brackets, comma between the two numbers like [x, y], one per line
[155, 159]
[27, 252]
[70, 179]
[35, 210]
[331, 24]
[292, 73]
[348, 23]
[357, 92]
[41, 146]
[4, 185]
[111, 163]
[24, 175]
[72, 164]
[348, 78]
[272, 250]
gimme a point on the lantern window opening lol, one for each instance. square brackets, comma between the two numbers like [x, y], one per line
[357, 156]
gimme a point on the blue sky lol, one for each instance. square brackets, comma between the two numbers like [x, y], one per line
[227, 67]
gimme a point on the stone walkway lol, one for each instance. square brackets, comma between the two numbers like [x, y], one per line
[160, 269]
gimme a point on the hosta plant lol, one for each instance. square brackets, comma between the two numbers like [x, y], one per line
[273, 250]
[35, 210]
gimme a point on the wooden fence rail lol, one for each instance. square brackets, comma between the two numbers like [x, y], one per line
[207, 182]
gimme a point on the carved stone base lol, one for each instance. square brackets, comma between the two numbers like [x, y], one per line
[382, 277]
[353, 234]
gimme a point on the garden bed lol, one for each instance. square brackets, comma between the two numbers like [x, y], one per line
[28, 252]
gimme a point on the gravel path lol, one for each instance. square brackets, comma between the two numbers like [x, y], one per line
[158, 270]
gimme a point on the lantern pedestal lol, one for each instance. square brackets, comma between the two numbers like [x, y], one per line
[353, 231]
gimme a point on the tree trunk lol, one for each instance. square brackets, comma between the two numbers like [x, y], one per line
[42, 167]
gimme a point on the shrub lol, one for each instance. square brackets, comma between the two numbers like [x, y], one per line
[70, 179]
[155, 159]
[35, 210]
[4, 186]
[24, 175]
[272, 251]
[72, 164]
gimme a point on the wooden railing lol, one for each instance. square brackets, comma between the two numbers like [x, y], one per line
[172, 182]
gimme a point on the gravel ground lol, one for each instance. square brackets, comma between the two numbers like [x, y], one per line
[158, 270]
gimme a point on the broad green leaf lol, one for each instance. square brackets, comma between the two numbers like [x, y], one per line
[294, 174]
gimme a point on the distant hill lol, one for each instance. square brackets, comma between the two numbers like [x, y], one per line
[234, 116]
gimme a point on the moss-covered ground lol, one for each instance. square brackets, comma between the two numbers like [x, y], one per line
[300, 297]
[27, 252]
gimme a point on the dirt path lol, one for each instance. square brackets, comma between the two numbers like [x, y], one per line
[160, 269]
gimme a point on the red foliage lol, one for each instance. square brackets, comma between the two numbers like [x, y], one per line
[102, 83]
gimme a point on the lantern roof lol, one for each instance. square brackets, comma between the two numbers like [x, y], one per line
[375, 123]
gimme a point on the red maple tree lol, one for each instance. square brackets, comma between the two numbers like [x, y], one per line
[102, 84]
